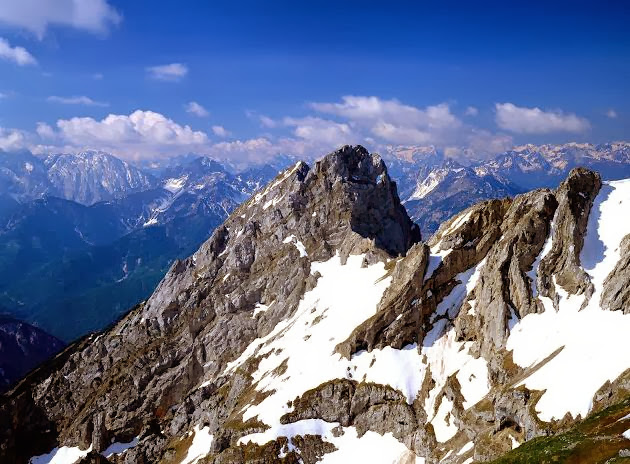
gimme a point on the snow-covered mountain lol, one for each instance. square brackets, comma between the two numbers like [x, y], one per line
[316, 326]
[446, 186]
[86, 177]
[92, 176]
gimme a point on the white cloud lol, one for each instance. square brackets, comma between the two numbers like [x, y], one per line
[395, 122]
[267, 122]
[220, 131]
[77, 100]
[471, 111]
[168, 72]
[611, 113]
[3, 95]
[97, 76]
[372, 110]
[12, 139]
[536, 121]
[141, 134]
[320, 130]
[18, 55]
[196, 109]
[45, 131]
[36, 16]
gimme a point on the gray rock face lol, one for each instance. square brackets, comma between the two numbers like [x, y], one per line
[575, 197]
[163, 372]
[93, 176]
[616, 294]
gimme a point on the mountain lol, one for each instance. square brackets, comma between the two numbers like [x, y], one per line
[434, 187]
[446, 186]
[23, 347]
[93, 176]
[90, 263]
[532, 166]
[86, 177]
[316, 326]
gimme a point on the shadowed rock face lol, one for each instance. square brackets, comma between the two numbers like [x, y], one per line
[161, 370]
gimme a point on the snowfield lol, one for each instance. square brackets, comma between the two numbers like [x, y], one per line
[594, 343]
[345, 296]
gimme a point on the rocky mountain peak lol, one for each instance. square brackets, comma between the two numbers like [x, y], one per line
[315, 324]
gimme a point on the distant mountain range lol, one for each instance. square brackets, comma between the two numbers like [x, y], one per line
[70, 265]
[433, 187]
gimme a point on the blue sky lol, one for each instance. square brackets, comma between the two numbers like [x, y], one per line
[279, 77]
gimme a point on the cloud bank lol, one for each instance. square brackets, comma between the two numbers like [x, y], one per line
[522, 120]
[36, 16]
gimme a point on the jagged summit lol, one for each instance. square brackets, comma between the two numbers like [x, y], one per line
[314, 326]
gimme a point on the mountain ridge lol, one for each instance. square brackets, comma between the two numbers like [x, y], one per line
[314, 324]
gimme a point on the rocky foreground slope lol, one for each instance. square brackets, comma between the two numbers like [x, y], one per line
[316, 326]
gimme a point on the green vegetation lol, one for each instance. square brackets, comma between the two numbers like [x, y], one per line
[597, 439]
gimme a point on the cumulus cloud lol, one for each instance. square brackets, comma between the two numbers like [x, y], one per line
[37, 16]
[471, 111]
[77, 100]
[18, 55]
[168, 72]
[12, 139]
[220, 131]
[196, 109]
[611, 113]
[393, 121]
[523, 120]
[45, 131]
[320, 130]
[141, 134]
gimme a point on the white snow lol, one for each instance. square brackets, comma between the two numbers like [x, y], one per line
[299, 245]
[200, 446]
[429, 184]
[443, 423]
[118, 448]
[626, 434]
[466, 447]
[451, 303]
[515, 443]
[592, 341]
[175, 185]
[273, 202]
[260, 308]
[63, 455]
[298, 355]
[370, 448]
[150, 222]
[28, 166]
[285, 175]
[533, 273]
[436, 255]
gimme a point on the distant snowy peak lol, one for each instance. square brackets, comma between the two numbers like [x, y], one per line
[92, 176]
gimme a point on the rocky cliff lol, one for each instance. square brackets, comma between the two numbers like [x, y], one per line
[314, 325]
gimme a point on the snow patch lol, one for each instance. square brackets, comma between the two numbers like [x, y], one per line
[299, 245]
[63, 455]
[591, 340]
[118, 448]
[175, 185]
[200, 446]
